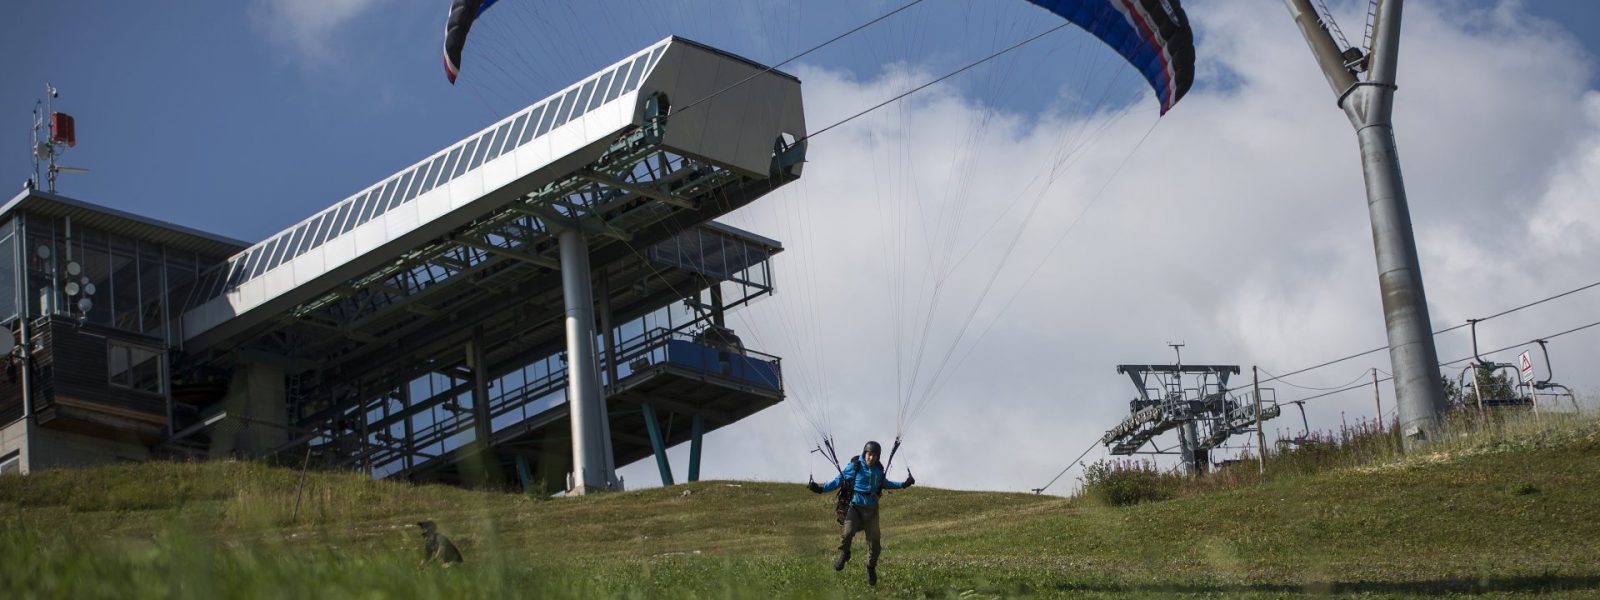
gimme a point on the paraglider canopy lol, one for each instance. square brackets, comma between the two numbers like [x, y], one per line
[462, 14]
[1153, 35]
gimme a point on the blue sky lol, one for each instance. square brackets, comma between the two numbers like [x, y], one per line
[1240, 227]
[233, 118]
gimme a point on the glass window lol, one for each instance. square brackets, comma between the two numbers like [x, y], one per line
[583, 100]
[271, 260]
[655, 55]
[412, 188]
[433, 172]
[533, 125]
[549, 118]
[348, 222]
[600, 91]
[399, 196]
[11, 464]
[498, 145]
[150, 290]
[516, 132]
[633, 75]
[123, 299]
[266, 257]
[415, 188]
[238, 269]
[448, 172]
[329, 221]
[134, 367]
[564, 114]
[310, 234]
[181, 283]
[483, 149]
[8, 276]
[339, 221]
[360, 209]
[296, 241]
[117, 363]
[376, 206]
[616, 83]
[96, 259]
[284, 252]
[465, 164]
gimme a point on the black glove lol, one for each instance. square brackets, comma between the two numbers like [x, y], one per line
[812, 485]
[910, 480]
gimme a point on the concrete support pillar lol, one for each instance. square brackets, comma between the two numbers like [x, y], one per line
[524, 474]
[410, 441]
[258, 414]
[592, 469]
[698, 430]
[657, 443]
[480, 388]
[608, 339]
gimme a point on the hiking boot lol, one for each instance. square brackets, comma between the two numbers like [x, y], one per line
[872, 575]
[844, 557]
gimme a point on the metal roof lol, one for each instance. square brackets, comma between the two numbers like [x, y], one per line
[121, 223]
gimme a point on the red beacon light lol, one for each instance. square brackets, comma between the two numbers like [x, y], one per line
[63, 130]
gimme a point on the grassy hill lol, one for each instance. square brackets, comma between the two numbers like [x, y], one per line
[1503, 512]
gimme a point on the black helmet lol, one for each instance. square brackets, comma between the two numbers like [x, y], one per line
[872, 447]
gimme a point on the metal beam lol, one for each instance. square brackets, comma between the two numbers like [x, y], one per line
[642, 190]
[480, 388]
[697, 430]
[684, 409]
[656, 444]
[512, 253]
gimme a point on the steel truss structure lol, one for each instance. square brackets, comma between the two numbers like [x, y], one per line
[487, 298]
[1193, 399]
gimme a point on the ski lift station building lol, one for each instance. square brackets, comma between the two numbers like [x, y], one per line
[533, 305]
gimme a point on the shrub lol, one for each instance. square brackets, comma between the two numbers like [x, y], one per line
[1123, 483]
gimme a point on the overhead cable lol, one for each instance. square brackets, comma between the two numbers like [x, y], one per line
[1448, 363]
[919, 88]
[1439, 332]
[802, 54]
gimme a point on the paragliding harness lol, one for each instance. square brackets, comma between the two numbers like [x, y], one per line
[847, 490]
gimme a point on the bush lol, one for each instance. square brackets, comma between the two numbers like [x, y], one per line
[1123, 483]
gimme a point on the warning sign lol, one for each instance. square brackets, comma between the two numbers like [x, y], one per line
[1525, 364]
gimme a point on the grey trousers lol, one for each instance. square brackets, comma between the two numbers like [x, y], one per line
[862, 518]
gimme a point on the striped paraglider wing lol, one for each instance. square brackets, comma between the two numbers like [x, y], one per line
[462, 14]
[1154, 36]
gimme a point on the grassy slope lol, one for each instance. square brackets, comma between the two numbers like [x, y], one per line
[1503, 516]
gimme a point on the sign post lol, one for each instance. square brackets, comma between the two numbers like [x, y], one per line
[1525, 367]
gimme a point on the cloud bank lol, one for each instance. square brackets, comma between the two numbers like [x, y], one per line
[1238, 225]
[309, 29]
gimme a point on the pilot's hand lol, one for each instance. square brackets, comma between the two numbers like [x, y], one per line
[910, 479]
[817, 489]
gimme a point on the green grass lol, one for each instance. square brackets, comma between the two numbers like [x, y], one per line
[1510, 508]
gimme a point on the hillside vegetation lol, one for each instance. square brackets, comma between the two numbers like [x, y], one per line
[1511, 509]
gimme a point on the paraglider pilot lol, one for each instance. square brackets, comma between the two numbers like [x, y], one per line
[867, 481]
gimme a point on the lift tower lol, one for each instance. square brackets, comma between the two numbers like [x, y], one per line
[1369, 104]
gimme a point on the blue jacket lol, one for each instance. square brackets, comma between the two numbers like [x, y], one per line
[867, 480]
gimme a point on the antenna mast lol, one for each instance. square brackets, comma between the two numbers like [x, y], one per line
[60, 132]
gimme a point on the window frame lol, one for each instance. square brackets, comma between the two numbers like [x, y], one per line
[113, 345]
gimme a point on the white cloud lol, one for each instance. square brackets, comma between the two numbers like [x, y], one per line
[308, 28]
[1238, 227]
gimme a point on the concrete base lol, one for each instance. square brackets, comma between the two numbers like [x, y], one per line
[44, 448]
[258, 414]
